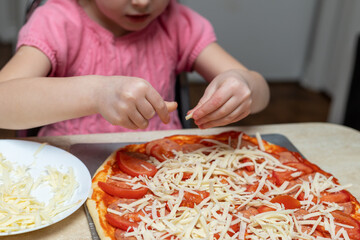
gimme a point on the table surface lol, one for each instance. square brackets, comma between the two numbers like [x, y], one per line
[334, 148]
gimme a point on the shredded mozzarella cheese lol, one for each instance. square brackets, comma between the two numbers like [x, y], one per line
[19, 207]
[219, 171]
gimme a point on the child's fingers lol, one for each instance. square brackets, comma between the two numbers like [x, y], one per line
[214, 102]
[221, 122]
[148, 112]
[171, 106]
[209, 91]
[159, 105]
[189, 114]
[131, 125]
[208, 95]
[217, 119]
[128, 123]
[146, 109]
[222, 112]
[138, 119]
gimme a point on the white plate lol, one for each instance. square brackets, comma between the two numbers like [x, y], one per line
[22, 153]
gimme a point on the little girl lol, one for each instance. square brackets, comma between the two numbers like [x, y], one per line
[96, 66]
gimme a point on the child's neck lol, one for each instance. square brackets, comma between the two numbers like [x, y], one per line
[94, 13]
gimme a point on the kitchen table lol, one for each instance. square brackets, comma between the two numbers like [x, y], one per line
[334, 148]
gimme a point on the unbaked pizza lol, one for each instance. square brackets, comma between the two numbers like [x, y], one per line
[225, 186]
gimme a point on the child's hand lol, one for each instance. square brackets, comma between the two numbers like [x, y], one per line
[130, 102]
[227, 99]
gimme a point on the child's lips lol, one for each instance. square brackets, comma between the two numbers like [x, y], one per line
[138, 18]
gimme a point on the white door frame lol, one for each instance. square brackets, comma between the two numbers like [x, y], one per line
[330, 66]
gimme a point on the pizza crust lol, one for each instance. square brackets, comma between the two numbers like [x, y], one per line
[95, 209]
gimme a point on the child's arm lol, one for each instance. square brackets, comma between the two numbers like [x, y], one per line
[234, 91]
[29, 99]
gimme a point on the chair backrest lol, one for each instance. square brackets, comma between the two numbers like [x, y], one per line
[31, 5]
[182, 97]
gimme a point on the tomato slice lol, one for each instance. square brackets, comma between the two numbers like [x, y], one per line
[195, 198]
[186, 175]
[315, 234]
[242, 171]
[120, 235]
[120, 222]
[120, 192]
[234, 229]
[135, 164]
[340, 217]
[286, 200]
[250, 168]
[162, 149]
[190, 199]
[281, 177]
[191, 147]
[254, 187]
[265, 208]
[337, 197]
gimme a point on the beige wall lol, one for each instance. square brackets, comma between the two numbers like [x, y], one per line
[270, 36]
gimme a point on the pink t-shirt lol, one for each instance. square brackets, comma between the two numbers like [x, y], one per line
[76, 45]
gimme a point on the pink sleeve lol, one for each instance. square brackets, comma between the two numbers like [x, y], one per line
[50, 31]
[193, 32]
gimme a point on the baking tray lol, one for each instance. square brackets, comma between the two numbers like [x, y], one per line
[94, 154]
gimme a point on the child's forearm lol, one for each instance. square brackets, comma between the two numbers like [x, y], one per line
[126, 101]
[31, 102]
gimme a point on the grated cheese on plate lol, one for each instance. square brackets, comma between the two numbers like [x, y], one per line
[19, 207]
